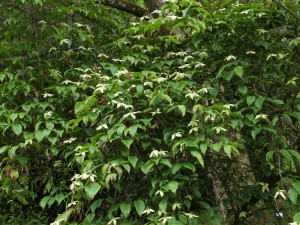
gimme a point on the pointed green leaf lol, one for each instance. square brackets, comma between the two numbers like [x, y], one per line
[59, 197]
[17, 129]
[250, 100]
[139, 206]
[173, 186]
[127, 142]
[182, 109]
[297, 217]
[227, 150]
[198, 156]
[163, 206]
[189, 166]
[259, 101]
[125, 209]
[133, 160]
[243, 89]
[39, 135]
[91, 189]
[44, 201]
[13, 116]
[293, 195]
[296, 185]
[239, 71]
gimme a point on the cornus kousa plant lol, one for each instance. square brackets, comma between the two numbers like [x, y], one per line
[149, 112]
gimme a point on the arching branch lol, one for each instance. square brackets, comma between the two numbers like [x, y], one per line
[125, 6]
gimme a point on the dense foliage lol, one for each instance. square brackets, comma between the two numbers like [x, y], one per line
[191, 116]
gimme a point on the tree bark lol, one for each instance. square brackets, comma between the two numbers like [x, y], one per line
[153, 5]
[125, 6]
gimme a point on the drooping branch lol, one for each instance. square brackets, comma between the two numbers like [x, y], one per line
[125, 6]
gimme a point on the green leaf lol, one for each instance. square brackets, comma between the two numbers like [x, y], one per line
[166, 97]
[255, 131]
[203, 147]
[133, 160]
[127, 142]
[125, 209]
[39, 135]
[243, 89]
[139, 206]
[239, 71]
[132, 130]
[276, 101]
[296, 185]
[13, 116]
[213, 91]
[250, 100]
[173, 186]
[293, 195]
[189, 166]
[297, 217]
[59, 197]
[182, 109]
[3, 149]
[91, 189]
[52, 140]
[121, 129]
[163, 205]
[227, 150]
[259, 101]
[198, 156]
[217, 146]
[17, 129]
[49, 125]
[44, 201]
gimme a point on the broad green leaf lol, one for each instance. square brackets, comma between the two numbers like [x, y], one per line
[276, 101]
[243, 89]
[213, 91]
[139, 206]
[52, 140]
[198, 156]
[227, 150]
[189, 166]
[217, 146]
[293, 195]
[269, 156]
[173, 186]
[3, 149]
[297, 217]
[121, 129]
[255, 131]
[92, 189]
[133, 160]
[163, 205]
[13, 116]
[250, 100]
[176, 167]
[166, 162]
[17, 129]
[39, 135]
[239, 71]
[59, 197]
[49, 125]
[203, 147]
[259, 101]
[132, 130]
[182, 109]
[44, 201]
[127, 142]
[125, 209]
[296, 185]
